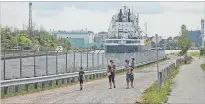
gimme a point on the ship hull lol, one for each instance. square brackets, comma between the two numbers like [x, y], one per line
[123, 48]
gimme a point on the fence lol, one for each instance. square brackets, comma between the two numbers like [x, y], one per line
[53, 62]
[165, 74]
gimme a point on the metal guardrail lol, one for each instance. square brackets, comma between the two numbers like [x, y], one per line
[23, 81]
[165, 74]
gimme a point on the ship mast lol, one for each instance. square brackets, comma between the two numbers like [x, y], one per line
[146, 29]
[138, 31]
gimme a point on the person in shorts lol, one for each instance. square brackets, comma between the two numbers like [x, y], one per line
[111, 76]
[129, 75]
[81, 77]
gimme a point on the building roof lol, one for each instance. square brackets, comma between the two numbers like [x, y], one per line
[73, 32]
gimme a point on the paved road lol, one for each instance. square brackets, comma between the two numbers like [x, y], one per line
[96, 91]
[189, 84]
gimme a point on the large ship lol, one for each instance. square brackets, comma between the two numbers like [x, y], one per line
[125, 35]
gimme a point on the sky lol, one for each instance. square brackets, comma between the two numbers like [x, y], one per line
[163, 18]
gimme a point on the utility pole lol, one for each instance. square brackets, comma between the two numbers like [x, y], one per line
[157, 55]
[30, 20]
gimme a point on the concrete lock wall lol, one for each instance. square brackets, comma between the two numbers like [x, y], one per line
[141, 58]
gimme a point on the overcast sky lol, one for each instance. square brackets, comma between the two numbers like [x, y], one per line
[163, 18]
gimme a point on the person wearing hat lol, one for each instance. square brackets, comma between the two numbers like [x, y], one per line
[81, 77]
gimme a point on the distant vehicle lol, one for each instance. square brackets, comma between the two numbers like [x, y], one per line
[58, 49]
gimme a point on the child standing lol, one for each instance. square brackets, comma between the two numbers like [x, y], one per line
[81, 77]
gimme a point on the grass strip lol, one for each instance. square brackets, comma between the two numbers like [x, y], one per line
[154, 95]
[203, 67]
[195, 54]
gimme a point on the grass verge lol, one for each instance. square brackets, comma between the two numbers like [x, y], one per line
[153, 95]
[195, 54]
[203, 67]
[73, 83]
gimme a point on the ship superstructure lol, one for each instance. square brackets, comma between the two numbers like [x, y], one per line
[124, 34]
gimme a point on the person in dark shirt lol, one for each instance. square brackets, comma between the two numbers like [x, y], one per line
[81, 77]
[111, 76]
[132, 74]
[132, 64]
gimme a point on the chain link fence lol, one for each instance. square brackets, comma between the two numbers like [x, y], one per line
[26, 64]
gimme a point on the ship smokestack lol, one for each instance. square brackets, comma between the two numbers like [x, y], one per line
[125, 10]
[120, 16]
[128, 15]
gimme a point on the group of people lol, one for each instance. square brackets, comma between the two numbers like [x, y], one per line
[129, 66]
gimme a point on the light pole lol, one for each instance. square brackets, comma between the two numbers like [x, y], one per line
[157, 56]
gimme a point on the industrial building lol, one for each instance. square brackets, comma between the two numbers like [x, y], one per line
[100, 37]
[78, 38]
[197, 36]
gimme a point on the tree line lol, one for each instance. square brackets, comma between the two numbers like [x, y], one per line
[13, 38]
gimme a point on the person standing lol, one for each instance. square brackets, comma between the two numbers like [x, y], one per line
[132, 74]
[132, 64]
[111, 76]
[113, 71]
[81, 77]
[129, 74]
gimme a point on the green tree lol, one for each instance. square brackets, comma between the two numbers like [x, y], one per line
[184, 42]
[24, 41]
[12, 38]
[6, 37]
[94, 47]
[67, 44]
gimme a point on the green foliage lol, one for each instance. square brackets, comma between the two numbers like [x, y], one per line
[202, 51]
[203, 67]
[184, 42]
[196, 54]
[67, 44]
[14, 39]
[94, 47]
[24, 41]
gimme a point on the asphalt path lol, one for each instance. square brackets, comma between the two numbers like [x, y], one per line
[189, 84]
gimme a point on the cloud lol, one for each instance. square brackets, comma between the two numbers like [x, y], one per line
[184, 7]
[141, 7]
[163, 18]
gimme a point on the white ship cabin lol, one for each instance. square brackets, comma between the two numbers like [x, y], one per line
[124, 29]
[124, 42]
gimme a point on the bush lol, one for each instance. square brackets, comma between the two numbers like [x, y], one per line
[202, 51]
[203, 67]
